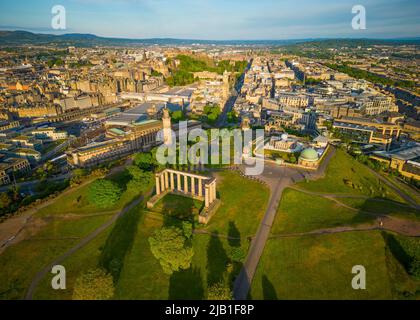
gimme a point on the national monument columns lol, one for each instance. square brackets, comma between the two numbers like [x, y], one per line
[193, 185]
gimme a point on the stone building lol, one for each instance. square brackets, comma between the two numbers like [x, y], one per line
[309, 158]
[139, 136]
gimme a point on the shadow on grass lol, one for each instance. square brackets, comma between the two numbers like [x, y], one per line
[186, 285]
[381, 206]
[362, 216]
[178, 207]
[397, 250]
[389, 206]
[216, 261]
[121, 179]
[269, 292]
[233, 232]
[119, 242]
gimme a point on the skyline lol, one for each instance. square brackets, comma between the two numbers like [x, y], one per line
[216, 20]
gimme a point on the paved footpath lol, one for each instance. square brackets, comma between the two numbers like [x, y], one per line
[42, 273]
[243, 281]
[11, 229]
[278, 179]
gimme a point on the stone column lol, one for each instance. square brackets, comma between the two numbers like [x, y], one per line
[193, 186]
[157, 185]
[207, 195]
[162, 182]
[178, 181]
[214, 190]
[172, 181]
[200, 187]
[166, 179]
[185, 183]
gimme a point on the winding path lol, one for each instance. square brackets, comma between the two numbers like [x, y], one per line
[11, 229]
[402, 194]
[363, 227]
[42, 273]
[285, 178]
[278, 179]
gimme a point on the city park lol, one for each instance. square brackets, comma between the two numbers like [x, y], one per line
[116, 246]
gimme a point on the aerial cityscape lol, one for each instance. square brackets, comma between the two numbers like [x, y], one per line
[209, 151]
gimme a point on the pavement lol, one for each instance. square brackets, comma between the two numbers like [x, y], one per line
[11, 229]
[42, 273]
[277, 178]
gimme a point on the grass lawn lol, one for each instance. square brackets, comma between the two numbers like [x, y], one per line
[319, 267]
[239, 214]
[243, 204]
[404, 187]
[142, 276]
[20, 263]
[139, 275]
[360, 180]
[82, 260]
[178, 206]
[56, 228]
[381, 207]
[77, 202]
[300, 212]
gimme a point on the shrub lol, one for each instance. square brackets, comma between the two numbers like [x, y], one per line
[219, 291]
[104, 193]
[169, 245]
[94, 284]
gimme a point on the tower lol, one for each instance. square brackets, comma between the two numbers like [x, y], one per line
[225, 85]
[167, 127]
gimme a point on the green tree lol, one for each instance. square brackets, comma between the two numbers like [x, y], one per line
[415, 268]
[187, 228]
[77, 177]
[5, 200]
[212, 112]
[104, 193]
[237, 254]
[177, 116]
[173, 250]
[231, 117]
[94, 284]
[140, 179]
[41, 174]
[219, 291]
[145, 161]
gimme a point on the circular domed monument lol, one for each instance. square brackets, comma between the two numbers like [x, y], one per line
[309, 158]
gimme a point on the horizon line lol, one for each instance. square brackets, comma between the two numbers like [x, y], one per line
[218, 40]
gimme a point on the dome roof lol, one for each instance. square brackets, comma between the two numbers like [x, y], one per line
[309, 154]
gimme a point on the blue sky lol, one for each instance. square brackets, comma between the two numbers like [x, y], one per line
[217, 19]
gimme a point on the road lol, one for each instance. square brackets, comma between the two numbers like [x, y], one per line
[222, 120]
[407, 198]
[278, 178]
[29, 185]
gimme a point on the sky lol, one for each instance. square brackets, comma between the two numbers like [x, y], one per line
[217, 19]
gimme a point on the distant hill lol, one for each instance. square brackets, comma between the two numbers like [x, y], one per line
[12, 38]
